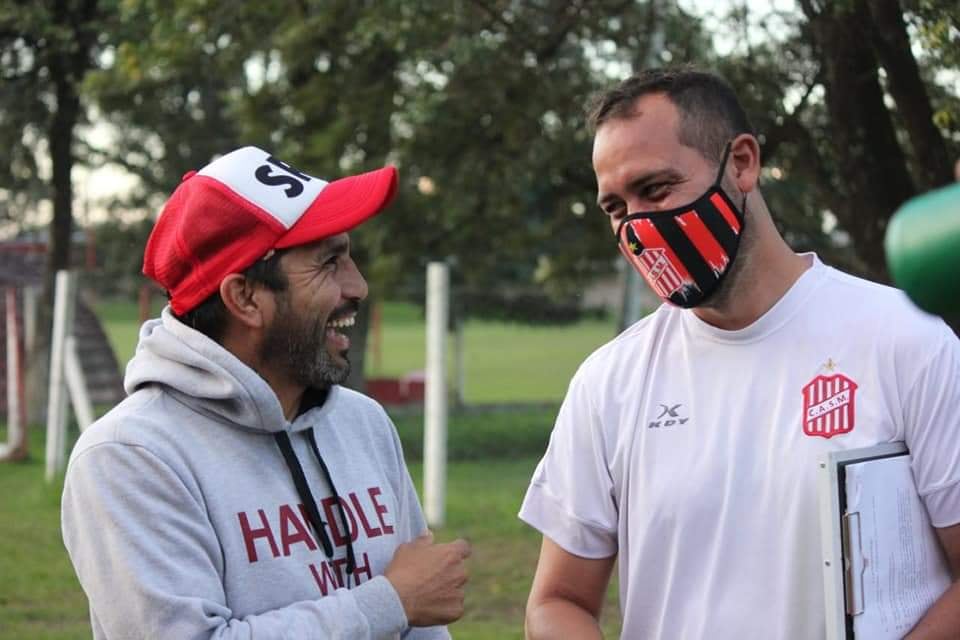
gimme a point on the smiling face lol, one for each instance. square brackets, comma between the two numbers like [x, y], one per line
[306, 338]
[642, 166]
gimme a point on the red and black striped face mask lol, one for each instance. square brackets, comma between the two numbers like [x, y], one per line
[684, 253]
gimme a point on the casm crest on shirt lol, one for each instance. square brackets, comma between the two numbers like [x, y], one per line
[829, 405]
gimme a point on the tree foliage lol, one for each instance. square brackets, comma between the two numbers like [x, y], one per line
[480, 103]
[46, 50]
[882, 156]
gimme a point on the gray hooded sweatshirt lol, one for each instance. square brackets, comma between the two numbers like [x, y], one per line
[183, 519]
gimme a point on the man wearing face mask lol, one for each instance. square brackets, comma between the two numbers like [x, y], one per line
[686, 448]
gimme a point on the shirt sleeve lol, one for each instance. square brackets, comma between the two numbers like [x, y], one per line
[932, 428]
[150, 562]
[571, 495]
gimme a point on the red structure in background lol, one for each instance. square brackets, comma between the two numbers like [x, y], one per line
[405, 390]
[397, 391]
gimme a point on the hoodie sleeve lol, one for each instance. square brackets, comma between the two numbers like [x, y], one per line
[413, 525]
[151, 564]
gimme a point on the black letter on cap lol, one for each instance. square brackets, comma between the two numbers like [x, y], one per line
[294, 186]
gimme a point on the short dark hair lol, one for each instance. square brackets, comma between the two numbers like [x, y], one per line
[710, 113]
[210, 316]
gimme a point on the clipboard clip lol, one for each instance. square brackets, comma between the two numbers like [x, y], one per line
[853, 570]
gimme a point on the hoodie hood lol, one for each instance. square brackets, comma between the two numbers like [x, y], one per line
[205, 376]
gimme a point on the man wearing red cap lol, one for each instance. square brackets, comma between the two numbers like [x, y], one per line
[239, 491]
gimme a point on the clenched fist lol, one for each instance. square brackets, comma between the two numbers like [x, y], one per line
[429, 579]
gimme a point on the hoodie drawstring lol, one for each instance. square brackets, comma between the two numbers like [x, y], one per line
[306, 496]
[351, 558]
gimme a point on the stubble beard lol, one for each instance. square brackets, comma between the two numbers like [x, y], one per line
[723, 298]
[297, 345]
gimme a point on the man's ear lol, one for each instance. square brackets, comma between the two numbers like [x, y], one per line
[745, 158]
[244, 300]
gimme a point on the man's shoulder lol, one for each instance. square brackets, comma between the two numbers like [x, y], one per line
[878, 303]
[629, 346]
[131, 422]
[367, 417]
[845, 282]
[637, 334]
[356, 402]
[883, 316]
[359, 423]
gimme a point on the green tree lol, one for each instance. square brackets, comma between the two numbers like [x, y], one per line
[882, 155]
[480, 103]
[483, 100]
[47, 48]
[490, 132]
[168, 85]
[852, 121]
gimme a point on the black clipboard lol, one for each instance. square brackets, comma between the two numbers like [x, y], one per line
[856, 548]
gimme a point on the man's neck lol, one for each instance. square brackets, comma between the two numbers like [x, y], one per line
[290, 397]
[288, 392]
[771, 272]
[246, 348]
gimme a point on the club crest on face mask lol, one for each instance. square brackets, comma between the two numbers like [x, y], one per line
[684, 253]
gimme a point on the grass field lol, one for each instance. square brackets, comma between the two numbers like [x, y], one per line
[493, 455]
[39, 595]
[505, 362]
[41, 600]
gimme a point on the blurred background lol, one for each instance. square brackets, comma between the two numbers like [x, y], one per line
[104, 104]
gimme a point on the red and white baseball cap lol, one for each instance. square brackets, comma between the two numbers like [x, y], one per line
[225, 217]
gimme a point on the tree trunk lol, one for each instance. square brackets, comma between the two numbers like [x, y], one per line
[930, 157]
[60, 137]
[873, 177]
[61, 155]
[66, 64]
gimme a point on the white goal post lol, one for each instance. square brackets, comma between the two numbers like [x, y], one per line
[66, 376]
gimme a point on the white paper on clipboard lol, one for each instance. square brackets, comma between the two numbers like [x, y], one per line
[883, 566]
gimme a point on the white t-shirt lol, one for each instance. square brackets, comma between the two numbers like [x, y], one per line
[691, 451]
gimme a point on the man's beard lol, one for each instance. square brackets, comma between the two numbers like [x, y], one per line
[297, 344]
[722, 297]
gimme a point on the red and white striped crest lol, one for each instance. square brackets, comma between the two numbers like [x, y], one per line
[828, 406]
[662, 276]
